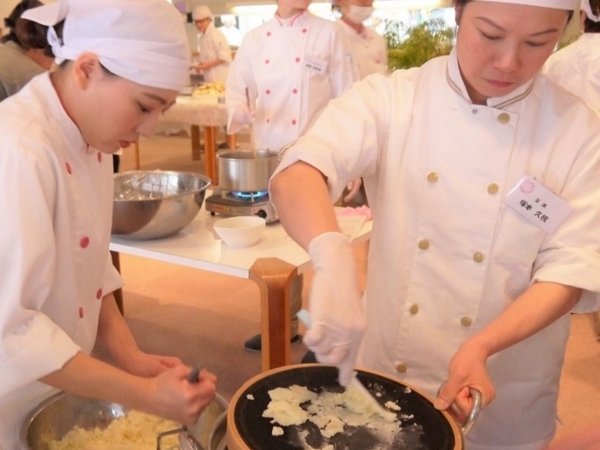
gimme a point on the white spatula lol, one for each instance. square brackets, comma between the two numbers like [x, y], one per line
[362, 398]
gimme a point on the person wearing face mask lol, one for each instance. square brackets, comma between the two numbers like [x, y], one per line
[577, 66]
[369, 48]
[482, 178]
[121, 64]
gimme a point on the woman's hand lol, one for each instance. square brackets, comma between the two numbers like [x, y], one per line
[467, 371]
[353, 187]
[146, 365]
[173, 396]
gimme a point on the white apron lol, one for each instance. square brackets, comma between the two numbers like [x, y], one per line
[447, 255]
[56, 202]
[291, 73]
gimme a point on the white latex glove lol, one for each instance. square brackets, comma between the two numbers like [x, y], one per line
[353, 187]
[338, 318]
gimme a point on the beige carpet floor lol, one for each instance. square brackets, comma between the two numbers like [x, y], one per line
[204, 317]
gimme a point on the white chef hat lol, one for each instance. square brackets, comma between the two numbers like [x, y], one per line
[585, 6]
[141, 40]
[201, 12]
[570, 5]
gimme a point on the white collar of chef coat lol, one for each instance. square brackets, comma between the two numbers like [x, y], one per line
[295, 21]
[456, 82]
[364, 33]
[68, 127]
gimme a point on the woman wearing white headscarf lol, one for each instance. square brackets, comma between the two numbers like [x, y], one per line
[482, 177]
[121, 64]
[577, 66]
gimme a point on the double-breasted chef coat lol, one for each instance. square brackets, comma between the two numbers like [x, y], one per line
[212, 44]
[56, 198]
[447, 255]
[369, 49]
[291, 68]
[577, 68]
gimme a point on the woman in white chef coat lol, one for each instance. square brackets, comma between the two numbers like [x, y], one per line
[121, 64]
[577, 66]
[283, 75]
[482, 179]
[369, 48]
[214, 53]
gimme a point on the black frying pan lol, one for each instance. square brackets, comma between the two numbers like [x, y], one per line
[428, 429]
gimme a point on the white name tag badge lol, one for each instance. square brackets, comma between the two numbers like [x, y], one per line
[315, 64]
[538, 204]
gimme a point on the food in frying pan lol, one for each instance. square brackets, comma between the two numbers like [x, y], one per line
[133, 431]
[330, 412]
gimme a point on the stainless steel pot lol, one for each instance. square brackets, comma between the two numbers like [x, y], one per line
[247, 171]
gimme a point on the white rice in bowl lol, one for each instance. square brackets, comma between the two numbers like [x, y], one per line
[134, 431]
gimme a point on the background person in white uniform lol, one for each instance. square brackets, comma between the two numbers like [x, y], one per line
[121, 64]
[369, 48]
[214, 54]
[577, 66]
[283, 75]
[230, 30]
[24, 51]
[470, 162]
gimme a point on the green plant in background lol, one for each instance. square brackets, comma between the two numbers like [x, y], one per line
[421, 43]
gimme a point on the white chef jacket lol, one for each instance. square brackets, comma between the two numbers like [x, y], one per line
[56, 202]
[291, 68]
[212, 45]
[577, 68]
[447, 255]
[369, 49]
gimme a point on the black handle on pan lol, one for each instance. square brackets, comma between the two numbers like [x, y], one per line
[194, 377]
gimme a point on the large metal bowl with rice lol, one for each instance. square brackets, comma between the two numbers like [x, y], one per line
[155, 204]
[59, 414]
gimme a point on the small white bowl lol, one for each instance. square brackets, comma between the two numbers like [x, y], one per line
[241, 231]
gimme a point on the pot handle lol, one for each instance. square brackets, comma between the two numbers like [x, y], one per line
[473, 414]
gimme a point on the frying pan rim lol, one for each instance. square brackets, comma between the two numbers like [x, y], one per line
[233, 433]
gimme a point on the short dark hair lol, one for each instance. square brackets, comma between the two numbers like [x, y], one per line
[589, 26]
[26, 33]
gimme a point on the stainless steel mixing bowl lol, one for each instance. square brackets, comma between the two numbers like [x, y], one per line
[60, 413]
[155, 204]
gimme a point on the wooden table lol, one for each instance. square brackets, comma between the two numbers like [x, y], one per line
[272, 264]
[200, 111]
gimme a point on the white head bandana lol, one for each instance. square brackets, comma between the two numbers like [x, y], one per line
[201, 12]
[141, 40]
[585, 6]
[569, 5]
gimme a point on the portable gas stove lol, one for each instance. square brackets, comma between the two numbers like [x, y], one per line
[229, 203]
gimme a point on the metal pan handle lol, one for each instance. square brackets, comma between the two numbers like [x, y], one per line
[473, 414]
